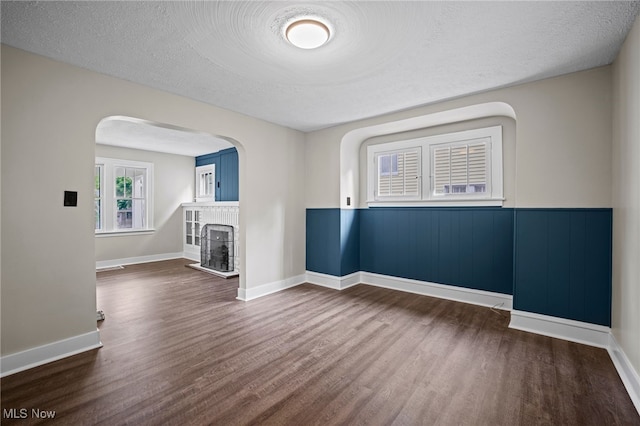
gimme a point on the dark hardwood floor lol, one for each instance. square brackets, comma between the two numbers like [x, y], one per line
[180, 349]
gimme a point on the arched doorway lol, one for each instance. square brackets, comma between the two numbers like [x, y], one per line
[160, 158]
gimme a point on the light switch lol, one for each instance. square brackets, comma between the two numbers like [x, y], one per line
[70, 198]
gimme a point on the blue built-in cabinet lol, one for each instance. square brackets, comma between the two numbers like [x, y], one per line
[226, 169]
[555, 262]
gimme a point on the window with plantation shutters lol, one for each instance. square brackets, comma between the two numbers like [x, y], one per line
[398, 174]
[457, 169]
[460, 168]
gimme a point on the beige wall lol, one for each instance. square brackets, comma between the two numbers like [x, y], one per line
[322, 171]
[626, 198]
[173, 180]
[562, 141]
[50, 111]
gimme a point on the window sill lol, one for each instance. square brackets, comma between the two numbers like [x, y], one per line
[104, 234]
[473, 202]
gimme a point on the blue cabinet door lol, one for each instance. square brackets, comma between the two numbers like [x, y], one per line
[228, 180]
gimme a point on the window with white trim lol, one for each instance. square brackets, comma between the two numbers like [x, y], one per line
[455, 168]
[123, 195]
[205, 183]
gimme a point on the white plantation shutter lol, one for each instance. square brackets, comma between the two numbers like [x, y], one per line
[398, 174]
[478, 164]
[442, 170]
[412, 172]
[384, 164]
[459, 168]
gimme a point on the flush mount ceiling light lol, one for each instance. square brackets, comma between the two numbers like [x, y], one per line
[307, 33]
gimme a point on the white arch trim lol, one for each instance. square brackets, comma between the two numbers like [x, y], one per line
[350, 145]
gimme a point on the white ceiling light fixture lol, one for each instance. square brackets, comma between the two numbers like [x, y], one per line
[307, 33]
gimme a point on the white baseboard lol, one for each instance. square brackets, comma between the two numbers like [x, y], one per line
[246, 294]
[450, 292]
[191, 256]
[330, 281]
[459, 294]
[627, 373]
[138, 259]
[20, 361]
[573, 331]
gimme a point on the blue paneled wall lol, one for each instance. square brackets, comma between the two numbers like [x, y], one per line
[554, 261]
[563, 263]
[323, 241]
[333, 241]
[349, 241]
[467, 247]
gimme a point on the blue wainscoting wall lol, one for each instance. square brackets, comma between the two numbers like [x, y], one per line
[563, 263]
[349, 241]
[553, 261]
[466, 247]
[323, 241]
[333, 243]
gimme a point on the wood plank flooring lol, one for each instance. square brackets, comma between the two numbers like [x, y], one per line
[180, 349]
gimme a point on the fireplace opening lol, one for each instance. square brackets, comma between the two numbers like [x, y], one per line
[216, 249]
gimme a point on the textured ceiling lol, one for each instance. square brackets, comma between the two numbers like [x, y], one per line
[383, 56]
[141, 134]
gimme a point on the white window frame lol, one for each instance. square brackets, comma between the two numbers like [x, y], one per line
[109, 211]
[101, 197]
[203, 191]
[494, 195]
